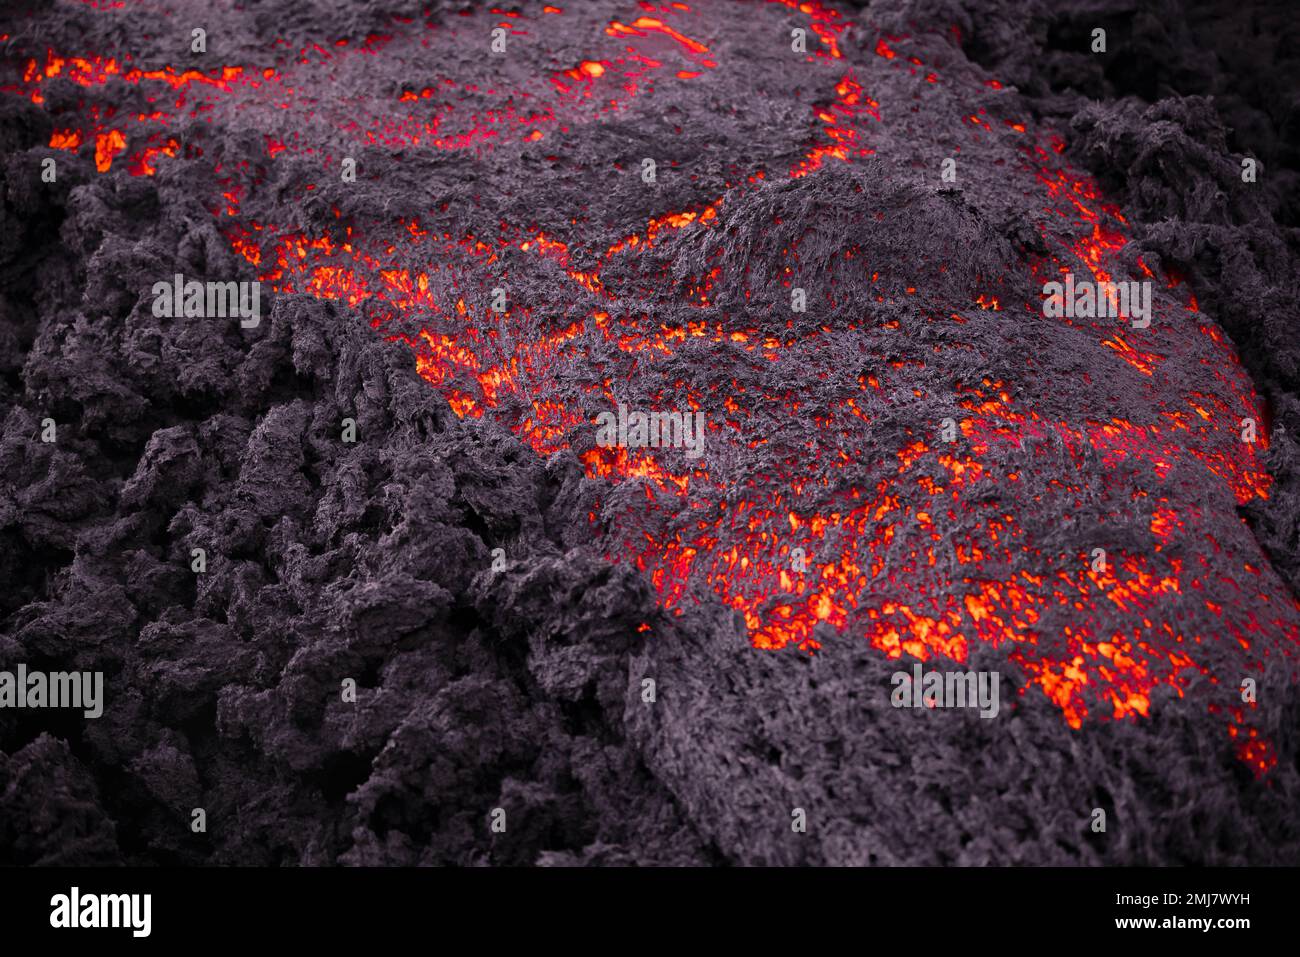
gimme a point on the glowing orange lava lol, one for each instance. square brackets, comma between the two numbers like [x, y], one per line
[926, 560]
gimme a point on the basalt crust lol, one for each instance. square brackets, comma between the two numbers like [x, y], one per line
[648, 652]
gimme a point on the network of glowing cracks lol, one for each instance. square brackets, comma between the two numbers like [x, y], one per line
[723, 535]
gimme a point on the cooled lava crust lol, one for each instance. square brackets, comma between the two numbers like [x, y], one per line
[523, 687]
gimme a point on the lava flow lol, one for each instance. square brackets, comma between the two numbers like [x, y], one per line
[828, 504]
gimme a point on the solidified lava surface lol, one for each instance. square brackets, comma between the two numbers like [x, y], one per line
[945, 458]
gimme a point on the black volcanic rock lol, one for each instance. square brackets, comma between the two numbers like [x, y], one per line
[333, 564]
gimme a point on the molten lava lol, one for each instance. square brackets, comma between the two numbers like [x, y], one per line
[922, 551]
